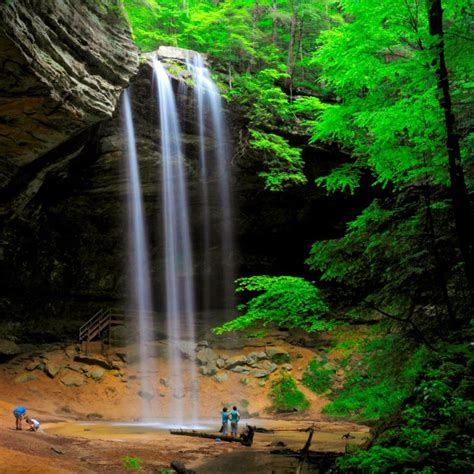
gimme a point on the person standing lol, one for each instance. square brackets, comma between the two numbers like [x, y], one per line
[234, 421]
[225, 421]
[19, 413]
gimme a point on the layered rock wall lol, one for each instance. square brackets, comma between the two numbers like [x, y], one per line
[63, 64]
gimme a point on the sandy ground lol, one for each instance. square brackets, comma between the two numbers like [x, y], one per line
[64, 444]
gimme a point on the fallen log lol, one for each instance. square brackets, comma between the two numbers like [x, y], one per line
[198, 434]
[246, 439]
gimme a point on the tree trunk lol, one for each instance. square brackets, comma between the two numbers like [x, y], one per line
[291, 46]
[460, 198]
[274, 21]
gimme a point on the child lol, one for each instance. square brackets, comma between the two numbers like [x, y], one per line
[225, 421]
[34, 424]
[19, 413]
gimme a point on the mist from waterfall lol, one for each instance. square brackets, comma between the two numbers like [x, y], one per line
[139, 273]
[214, 166]
[179, 285]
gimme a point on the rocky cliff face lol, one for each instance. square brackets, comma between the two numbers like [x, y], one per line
[63, 64]
[63, 249]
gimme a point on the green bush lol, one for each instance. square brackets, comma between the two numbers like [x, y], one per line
[318, 376]
[286, 395]
[131, 463]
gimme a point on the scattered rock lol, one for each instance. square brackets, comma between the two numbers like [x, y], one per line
[261, 383]
[94, 360]
[58, 450]
[207, 357]
[220, 378]
[258, 374]
[240, 370]
[287, 367]
[235, 361]
[268, 366]
[299, 355]
[52, 369]
[72, 379]
[187, 348]
[71, 352]
[179, 395]
[34, 364]
[146, 395]
[208, 370]
[96, 373]
[25, 377]
[278, 355]
[164, 382]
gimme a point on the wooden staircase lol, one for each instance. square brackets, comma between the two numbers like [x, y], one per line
[103, 320]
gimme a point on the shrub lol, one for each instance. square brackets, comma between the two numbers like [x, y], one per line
[286, 395]
[318, 376]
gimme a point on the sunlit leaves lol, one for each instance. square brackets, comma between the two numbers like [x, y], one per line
[284, 300]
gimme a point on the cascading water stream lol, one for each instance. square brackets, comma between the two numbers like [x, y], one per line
[208, 101]
[139, 272]
[178, 253]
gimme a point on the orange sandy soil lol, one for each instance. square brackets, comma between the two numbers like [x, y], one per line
[90, 451]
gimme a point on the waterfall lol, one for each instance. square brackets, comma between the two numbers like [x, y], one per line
[179, 285]
[139, 273]
[209, 101]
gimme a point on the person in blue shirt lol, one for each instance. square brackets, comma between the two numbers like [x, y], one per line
[234, 421]
[19, 413]
[225, 421]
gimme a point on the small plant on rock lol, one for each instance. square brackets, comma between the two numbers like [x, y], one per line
[131, 463]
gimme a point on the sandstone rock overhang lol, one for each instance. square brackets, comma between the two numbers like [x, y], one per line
[63, 65]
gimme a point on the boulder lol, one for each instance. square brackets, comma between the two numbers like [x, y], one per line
[287, 367]
[164, 382]
[240, 370]
[96, 373]
[71, 352]
[72, 379]
[207, 357]
[52, 369]
[220, 363]
[258, 374]
[25, 377]
[34, 364]
[187, 348]
[267, 365]
[96, 360]
[208, 370]
[278, 355]
[220, 378]
[235, 361]
[8, 348]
